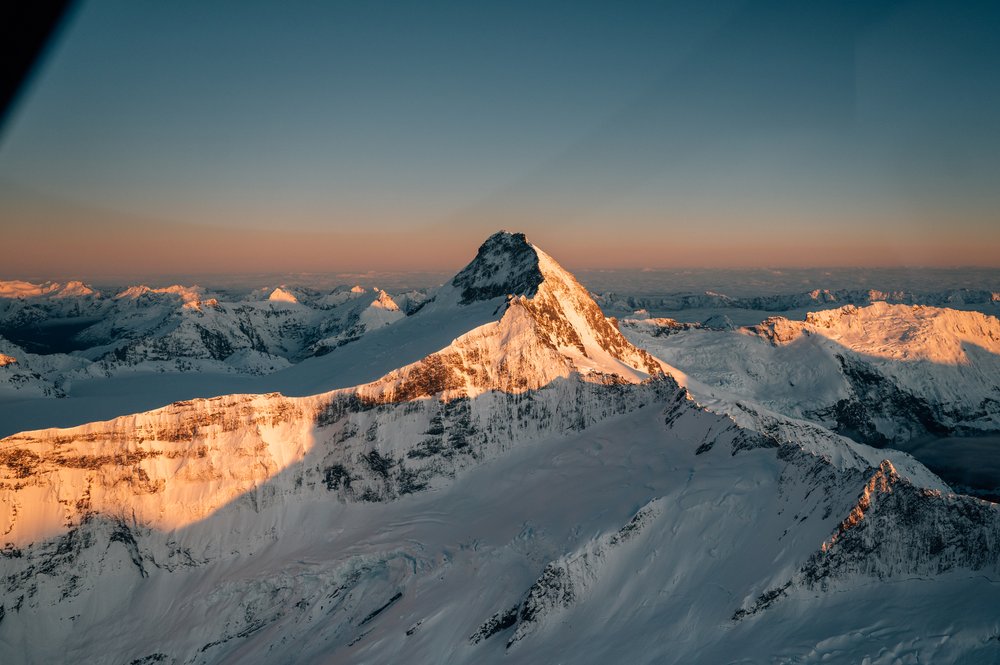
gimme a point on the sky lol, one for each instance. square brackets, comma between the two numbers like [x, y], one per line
[222, 137]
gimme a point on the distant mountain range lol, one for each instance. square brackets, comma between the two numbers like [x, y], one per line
[509, 476]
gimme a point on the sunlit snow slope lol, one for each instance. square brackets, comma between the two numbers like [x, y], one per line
[883, 374]
[536, 489]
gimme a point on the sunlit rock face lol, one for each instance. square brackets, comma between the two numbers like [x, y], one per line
[176, 465]
[538, 479]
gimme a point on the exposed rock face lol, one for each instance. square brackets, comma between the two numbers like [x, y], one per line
[238, 518]
[897, 529]
[556, 332]
[880, 412]
[505, 264]
[778, 330]
[657, 327]
[174, 465]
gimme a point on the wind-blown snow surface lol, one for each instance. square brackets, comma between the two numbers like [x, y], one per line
[538, 489]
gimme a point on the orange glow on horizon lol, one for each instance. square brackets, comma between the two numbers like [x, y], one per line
[49, 240]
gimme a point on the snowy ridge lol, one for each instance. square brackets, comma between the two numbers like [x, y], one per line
[187, 294]
[816, 298]
[27, 374]
[761, 427]
[898, 332]
[538, 479]
[147, 466]
[22, 290]
[184, 329]
[527, 350]
[880, 374]
[897, 529]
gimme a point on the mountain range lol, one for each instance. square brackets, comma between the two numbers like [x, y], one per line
[500, 471]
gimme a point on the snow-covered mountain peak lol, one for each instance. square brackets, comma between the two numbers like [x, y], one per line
[187, 294]
[74, 289]
[551, 330]
[881, 482]
[381, 312]
[385, 301]
[894, 332]
[281, 294]
[505, 264]
[6, 360]
[22, 289]
[904, 332]
[564, 319]
[16, 288]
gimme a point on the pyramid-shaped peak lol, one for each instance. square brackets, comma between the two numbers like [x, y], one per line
[542, 300]
[505, 264]
[282, 294]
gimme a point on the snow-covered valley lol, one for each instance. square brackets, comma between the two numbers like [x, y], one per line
[496, 471]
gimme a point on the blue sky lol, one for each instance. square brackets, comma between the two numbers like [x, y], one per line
[205, 136]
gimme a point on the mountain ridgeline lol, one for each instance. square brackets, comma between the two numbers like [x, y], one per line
[493, 386]
[538, 481]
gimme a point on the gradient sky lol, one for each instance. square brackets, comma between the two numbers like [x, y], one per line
[174, 137]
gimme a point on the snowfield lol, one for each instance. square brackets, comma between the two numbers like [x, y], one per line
[503, 476]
